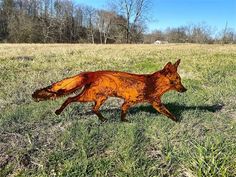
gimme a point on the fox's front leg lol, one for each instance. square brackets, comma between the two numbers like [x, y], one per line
[96, 107]
[124, 109]
[163, 110]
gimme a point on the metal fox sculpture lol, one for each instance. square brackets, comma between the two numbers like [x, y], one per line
[133, 88]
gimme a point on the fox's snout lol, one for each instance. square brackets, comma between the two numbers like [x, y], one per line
[181, 89]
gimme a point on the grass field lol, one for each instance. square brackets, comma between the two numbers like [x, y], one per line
[36, 142]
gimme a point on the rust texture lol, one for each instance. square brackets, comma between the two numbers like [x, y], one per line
[133, 88]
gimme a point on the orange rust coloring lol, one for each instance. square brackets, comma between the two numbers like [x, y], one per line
[133, 88]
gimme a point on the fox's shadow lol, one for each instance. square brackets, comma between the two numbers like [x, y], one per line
[177, 109]
[174, 108]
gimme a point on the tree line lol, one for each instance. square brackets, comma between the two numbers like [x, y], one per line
[193, 33]
[64, 21]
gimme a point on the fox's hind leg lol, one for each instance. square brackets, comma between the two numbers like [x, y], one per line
[163, 110]
[96, 107]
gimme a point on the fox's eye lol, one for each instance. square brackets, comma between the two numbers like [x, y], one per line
[172, 82]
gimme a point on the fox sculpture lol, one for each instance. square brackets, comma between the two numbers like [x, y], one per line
[133, 88]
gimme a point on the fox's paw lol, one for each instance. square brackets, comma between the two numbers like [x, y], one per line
[175, 119]
[58, 112]
[125, 120]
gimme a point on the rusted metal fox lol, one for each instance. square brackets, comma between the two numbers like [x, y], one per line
[133, 88]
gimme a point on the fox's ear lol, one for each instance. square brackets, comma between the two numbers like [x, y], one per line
[177, 63]
[168, 66]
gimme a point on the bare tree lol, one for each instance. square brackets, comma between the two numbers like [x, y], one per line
[105, 20]
[90, 16]
[200, 33]
[228, 35]
[133, 11]
[6, 11]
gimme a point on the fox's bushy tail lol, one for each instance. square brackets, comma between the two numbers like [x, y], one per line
[61, 88]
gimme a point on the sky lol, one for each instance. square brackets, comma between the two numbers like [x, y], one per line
[175, 13]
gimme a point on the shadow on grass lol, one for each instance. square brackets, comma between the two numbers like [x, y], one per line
[174, 108]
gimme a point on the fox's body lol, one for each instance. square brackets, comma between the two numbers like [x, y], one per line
[133, 88]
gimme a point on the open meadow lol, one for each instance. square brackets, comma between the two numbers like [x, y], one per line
[36, 142]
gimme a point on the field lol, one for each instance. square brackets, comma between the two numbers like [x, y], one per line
[36, 142]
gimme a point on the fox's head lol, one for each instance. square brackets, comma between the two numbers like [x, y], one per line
[174, 80]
